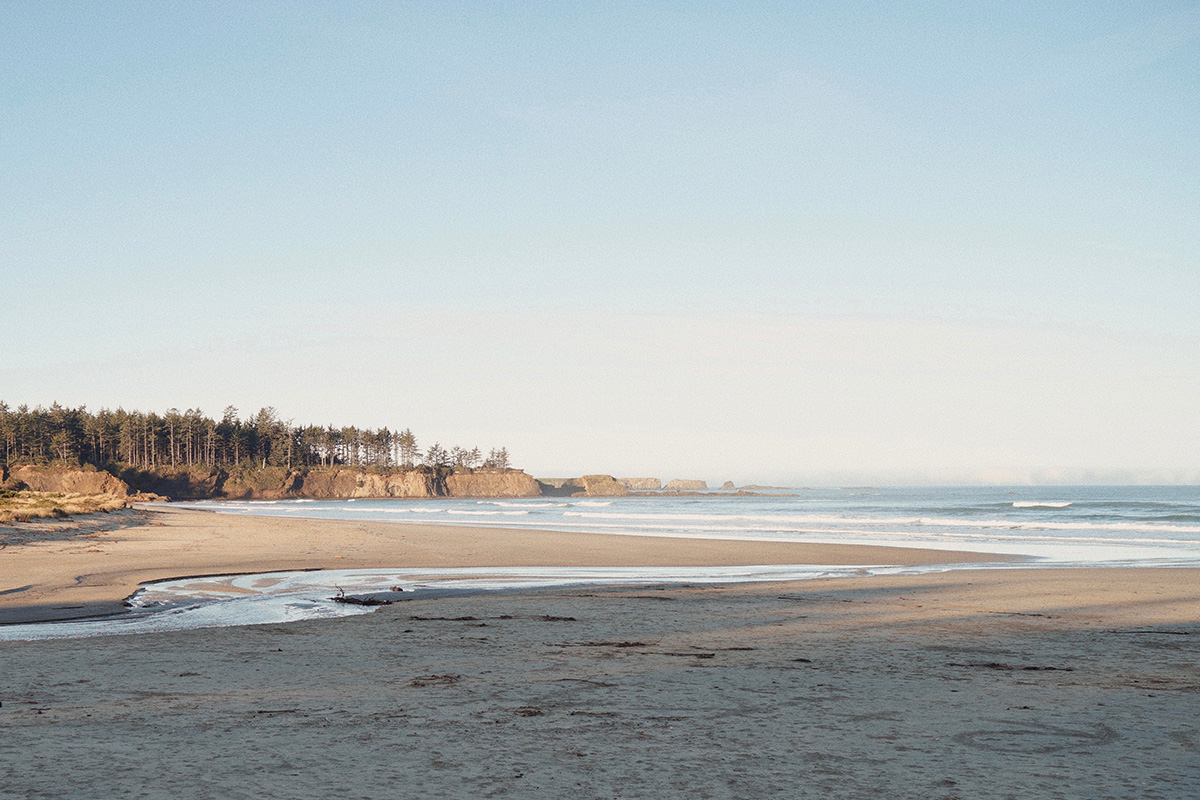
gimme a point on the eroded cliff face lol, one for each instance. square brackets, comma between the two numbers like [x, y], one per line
[688, 485]
[183, 483]
[275, 483]
[69, 481]
[491, 483]
[347, 483]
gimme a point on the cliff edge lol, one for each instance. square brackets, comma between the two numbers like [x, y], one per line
[275, 483]
[69, 481]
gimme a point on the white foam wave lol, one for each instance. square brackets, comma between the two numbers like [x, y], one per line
[488, 513]
[733, 524]
[796, 533]
[1027, 504]
[903, 522]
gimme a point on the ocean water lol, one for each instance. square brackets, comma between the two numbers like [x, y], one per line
[1090, 524]
[1058, 526]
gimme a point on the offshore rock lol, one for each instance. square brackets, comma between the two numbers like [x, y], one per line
[641, 484]
[602, 486]
[680, 484]
[584, 486]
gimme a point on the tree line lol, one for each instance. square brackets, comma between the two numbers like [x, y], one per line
[189, 438]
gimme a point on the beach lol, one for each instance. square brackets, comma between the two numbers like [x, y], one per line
[1016, 682]
[70, 572]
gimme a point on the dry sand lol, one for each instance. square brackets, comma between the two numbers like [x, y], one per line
[1014, 683]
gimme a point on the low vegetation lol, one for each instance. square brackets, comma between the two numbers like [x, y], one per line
[22, 505]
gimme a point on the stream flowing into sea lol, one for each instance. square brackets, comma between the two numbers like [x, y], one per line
[1048, 526]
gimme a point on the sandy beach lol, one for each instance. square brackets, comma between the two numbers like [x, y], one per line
[1009, 683]
[68, 570]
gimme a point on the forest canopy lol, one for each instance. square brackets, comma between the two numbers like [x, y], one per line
[189, 438]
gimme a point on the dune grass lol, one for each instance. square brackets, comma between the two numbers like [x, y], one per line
[24, 505]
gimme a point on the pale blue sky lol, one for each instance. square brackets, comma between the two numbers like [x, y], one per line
[895, 242]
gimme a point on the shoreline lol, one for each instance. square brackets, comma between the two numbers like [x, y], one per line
[69, 575]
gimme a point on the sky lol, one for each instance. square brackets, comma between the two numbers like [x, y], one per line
[775, 242]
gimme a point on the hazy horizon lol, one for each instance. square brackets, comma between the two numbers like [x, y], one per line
[871, 245]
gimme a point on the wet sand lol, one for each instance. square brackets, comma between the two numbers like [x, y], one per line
[997, 684]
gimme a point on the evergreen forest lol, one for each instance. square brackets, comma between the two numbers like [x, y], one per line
[60, 434]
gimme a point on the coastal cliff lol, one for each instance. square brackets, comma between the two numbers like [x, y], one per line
[274, 483]
[339, 484]
[491, 483]
[415, 483]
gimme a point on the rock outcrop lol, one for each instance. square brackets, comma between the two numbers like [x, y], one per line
[602, 486]
[147, 497]
[346, 483]
[727, 486]
[340, 484]
[679, 485]
[491, 483]
[558, 487]
[69, 481]
[182, 483]
[274, 483]
[583, 486]
[641, 484]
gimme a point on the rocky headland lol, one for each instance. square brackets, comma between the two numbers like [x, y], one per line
[274, 483]
[333, 483]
